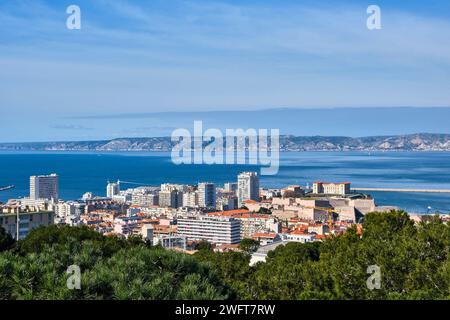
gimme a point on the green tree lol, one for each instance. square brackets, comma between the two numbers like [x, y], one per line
[203, 246]
[232, 267]
[263, 210]
[6, 241]
[111, 268]
[249, 245]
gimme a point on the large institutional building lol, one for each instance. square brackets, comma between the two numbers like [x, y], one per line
[341, 188]
[44, 187]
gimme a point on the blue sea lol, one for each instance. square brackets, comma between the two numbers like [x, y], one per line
[81, 172]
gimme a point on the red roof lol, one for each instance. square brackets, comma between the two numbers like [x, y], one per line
[300, 232]
[254, 215]
[265, 235]
[229, 213]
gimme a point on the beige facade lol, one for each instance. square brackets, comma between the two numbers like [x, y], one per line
[331, 188]
[27, 222]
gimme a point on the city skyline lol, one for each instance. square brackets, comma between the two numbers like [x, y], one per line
[225, 155]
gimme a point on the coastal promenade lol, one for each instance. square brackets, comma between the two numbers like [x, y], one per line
[404, 190]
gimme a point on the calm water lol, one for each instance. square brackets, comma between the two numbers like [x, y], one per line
[82, 172]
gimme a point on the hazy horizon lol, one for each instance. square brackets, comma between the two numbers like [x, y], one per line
[133, 60]
[348, 122]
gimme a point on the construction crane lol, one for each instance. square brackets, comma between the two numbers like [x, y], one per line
[330, 212]
[7, 188]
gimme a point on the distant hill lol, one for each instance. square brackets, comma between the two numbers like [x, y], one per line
[411, 142]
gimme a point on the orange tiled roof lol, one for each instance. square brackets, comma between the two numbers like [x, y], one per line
[254, 215]
[300, 232]
[229, 213]
[264, 235]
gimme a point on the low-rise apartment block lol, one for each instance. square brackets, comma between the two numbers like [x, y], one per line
[15, 220]
[215, 229]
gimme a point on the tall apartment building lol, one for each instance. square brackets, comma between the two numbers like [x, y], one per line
[207, 195]
[248, 187]
[226, 202]
[178, 187]
[44, 187]
[66, 213]
[230, 186]
[145, 196]
[144, 199]
[170, 198]
[217, 229]
[341, 188]
[190, 199]
[112, 189]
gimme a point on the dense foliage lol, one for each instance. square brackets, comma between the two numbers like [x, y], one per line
[6, 241]
[414, 262]
[249, 245]
[111, 268]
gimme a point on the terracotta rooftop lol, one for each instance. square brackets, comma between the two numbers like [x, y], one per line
[229, 213]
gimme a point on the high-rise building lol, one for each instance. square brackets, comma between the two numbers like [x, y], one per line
[190, 199]
[44, 187]
[112, 189]
[168, 199]
[226, 202]
[207, 195]
[145, 196]
[248, 187]
[230, 187]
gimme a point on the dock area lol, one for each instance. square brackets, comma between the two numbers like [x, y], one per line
[404, 190]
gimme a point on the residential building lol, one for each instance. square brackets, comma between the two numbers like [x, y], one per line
[44, 187]
[207, 195]
[68, 213]
[266, 238]
[144, 197]
[248, 187]
[169, 198]
[298, 236]
[28, 220]
[226, 202]
[190, 199]
[214, 229]
[112, 189]
[252, 224]
[230, 187]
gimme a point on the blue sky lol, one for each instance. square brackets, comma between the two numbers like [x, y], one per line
[135, 57]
